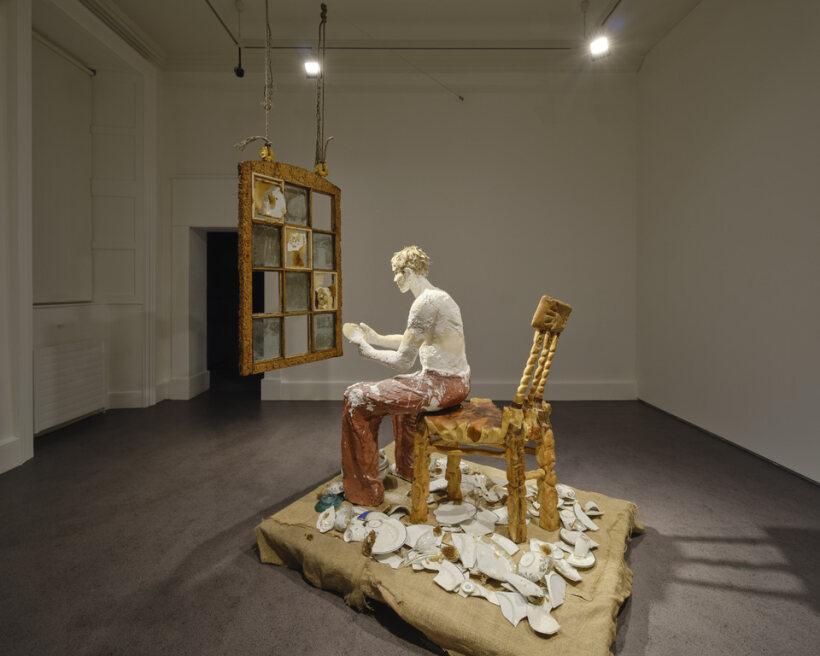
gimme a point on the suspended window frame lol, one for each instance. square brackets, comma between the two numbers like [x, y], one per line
[316, 312]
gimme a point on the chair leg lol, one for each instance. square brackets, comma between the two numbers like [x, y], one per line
[547, 496]
[516, 487]
[453, 476]
[421, 475]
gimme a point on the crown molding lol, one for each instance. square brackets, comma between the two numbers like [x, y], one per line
[122, 25]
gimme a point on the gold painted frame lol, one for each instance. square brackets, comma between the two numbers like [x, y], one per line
[291, 175]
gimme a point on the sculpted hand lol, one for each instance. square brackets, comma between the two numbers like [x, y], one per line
[353, 333]
[369, 334]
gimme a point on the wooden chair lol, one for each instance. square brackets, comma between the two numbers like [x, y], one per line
[479, 426]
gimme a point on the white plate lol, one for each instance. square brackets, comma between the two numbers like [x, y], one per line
[390, 535]
[454, 513]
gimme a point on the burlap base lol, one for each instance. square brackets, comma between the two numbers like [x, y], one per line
[468, 626]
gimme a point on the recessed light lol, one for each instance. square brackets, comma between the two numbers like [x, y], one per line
[599, 46]
[312, 67]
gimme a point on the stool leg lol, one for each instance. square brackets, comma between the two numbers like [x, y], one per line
[421, 475]
[453, 476]
[516, 487]
[547, 496]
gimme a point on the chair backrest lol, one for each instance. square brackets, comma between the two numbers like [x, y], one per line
[548, 322]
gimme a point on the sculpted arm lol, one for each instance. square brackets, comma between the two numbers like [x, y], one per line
[384, 341]
[418, 324]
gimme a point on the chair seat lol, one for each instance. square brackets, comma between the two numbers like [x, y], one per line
[477, 421]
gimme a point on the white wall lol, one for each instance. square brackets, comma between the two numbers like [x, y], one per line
[16, 403]
[729, 226]
[525, 188]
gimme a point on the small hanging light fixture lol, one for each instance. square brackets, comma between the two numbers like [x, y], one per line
[320, 161]
[599, 45]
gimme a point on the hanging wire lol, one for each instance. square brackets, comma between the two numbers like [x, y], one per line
[266, 152]
[584, 8]
[320, 160]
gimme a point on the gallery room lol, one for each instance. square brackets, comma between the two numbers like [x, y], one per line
[423, 327]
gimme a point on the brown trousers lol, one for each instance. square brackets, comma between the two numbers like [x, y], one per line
[403, 397]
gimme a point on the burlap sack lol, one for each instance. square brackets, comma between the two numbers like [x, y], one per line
[468, 626]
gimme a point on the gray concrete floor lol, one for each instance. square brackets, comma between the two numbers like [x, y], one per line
[132, 533]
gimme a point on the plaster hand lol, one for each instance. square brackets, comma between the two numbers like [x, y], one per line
[353, 332]
[370, 335]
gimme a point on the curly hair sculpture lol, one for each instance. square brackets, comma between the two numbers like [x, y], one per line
[413, 258]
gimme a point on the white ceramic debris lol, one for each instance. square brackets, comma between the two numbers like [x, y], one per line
[468, 588]
[390, 535]
[538, 546]
[465, 543]
[566, 570]
[564, 491]
[414, 532]
[513, 606]
[526, 587]
[394, 560]
[371, 515]
[567, 518]
[505, 543]
[581, 557]
[449, 576]
[491, 563]
[344, 513]
[438, 484]
[584, 518]
[355, 531]
[489, 595]
[454, 513]
[474, 527]
[502, 516]
[571, 536]
[326, 520]
[533, 566]
[592, 510]
[487, 517]
[557, 589]
[540, 619]
[333, 488]
[564, 547]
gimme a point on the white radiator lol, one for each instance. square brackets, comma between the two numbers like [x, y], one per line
[69, 382]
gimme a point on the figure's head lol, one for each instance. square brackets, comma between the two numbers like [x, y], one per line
[409, 263]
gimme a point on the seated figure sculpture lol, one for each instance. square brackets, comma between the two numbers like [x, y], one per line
[435, 334]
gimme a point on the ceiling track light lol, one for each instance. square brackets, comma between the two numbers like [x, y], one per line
[599, 43]
[312, 68]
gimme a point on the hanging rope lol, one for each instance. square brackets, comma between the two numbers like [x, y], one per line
[320, 160]
[266, 152]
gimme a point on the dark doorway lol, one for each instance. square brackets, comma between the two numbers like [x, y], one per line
[223, 313]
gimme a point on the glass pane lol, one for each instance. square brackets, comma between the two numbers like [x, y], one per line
[323, 254]
[324, 291]
[297, 246]
[320, 210]
[267, 246]
[324, 332]
[268, 198]
[297, 291]
[297, 205]
[266, 292]
[296, 335]
[267, 343]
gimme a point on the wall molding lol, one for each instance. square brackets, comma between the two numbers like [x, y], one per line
[126, 399]
[11, 454]
[184, 389]
[332, 390]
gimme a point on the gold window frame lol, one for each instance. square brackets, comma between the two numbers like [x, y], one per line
[286, 174]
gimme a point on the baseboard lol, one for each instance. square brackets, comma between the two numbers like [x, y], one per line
[322, 390]
[127, 399]
[162, 390]
[11, 453]
[183, 389]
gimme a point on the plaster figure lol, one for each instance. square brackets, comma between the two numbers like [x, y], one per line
[435, 334]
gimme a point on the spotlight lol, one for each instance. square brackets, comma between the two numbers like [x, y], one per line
[599, 46]
[312, 68]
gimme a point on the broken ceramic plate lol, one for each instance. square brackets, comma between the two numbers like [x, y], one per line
[564, 491]
[592, 510]
[414, 532]
[449, 576]
[371, 515]
[468, 588]
[531, 488]
[390, 535]
[541, 546]
[394, 560]
[532, 511]
[513, 606]
[487, 517]
[505, 543]
[454, 513]
[566, 570]
[343, 516]
[564, 547]
[568, 518]
[570, 537]
[540, 619]
[487, 593]
[438, 484]
[356, 531]
[556, 588]
[533, 566]
[492, 564]
[465, 544]
[581, 557]
[583, 518]
[474, 527]
[326, 520]
[502, 515]
[526, 587]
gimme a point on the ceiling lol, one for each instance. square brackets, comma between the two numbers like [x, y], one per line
[451, 36]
